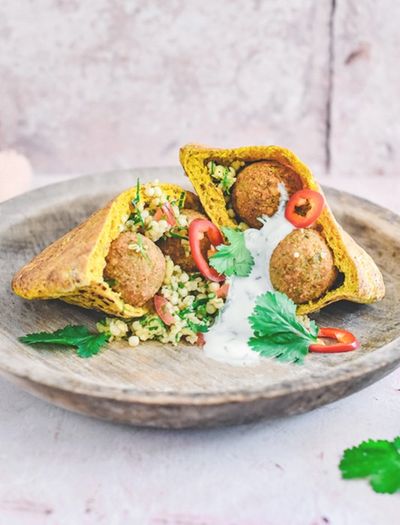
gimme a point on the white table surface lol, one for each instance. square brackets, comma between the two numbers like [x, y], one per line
[61, 468]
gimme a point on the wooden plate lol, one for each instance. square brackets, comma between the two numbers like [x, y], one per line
[161, 386]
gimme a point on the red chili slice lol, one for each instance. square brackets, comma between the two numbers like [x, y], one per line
[197, 229]
[161, 306]
[165, 212]
[304, 208]
[346, 342]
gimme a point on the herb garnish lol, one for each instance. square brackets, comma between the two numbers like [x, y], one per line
[181, 201]
[111, 282]
[142, 248]
[136, 216]
[378, 461]
[277, 330]
[177, 236]
[136, 200]
[234, 258]
[86, 343]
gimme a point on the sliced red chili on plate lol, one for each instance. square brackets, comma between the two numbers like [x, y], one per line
[304, 208]
[197, 229]
[161, 306]
[165, 212]
[345, 341]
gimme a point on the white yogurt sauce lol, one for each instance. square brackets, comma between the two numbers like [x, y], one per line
[227, 339]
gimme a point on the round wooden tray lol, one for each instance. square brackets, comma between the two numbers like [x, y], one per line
[161, 386]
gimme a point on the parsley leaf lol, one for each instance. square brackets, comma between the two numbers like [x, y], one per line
[86, 343]
[377, 461]
[277, 330]
[136, 200]
[234, 258]
[197, 327]
[181, 201]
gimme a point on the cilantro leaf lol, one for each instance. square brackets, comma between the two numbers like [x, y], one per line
[378, 461]
[86, 343]
[234, 258]
[277, 330]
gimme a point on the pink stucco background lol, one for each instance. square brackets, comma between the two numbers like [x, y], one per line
[90, 86]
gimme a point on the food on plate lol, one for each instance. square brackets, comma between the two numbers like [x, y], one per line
[256, 193]
[135, 268]
[72, 268]
[177, 245]
[236, 276]
[358, 277]
[112, 263]
[302, 266]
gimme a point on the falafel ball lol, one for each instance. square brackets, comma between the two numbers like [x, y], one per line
[192, 202]
[256, 191]
[302, 266]
[137, 266]
[179, 249]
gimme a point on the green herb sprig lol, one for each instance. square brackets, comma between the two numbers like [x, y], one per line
[278, 332]
[86, 343]
[136, 216]
[377, 461]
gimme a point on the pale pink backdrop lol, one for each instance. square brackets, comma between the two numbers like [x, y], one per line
[90, 86]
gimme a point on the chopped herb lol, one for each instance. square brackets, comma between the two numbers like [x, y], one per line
[86, 343]
[111, 282]
[197, 327]
[378, 461]
[136, 216]
[178, 236]
[234, 258]
[194, 307]
[211, 167]
[181, 201]
[136, 200]
[225, 182]
[142, 248]
[278, 332]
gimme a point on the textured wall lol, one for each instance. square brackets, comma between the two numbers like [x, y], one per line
[88, 86]
[366, 88]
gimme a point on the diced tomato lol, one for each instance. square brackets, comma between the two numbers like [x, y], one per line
[223, 290]
[345, 341]
[161, 306]
[304, 208]
[200, 339]
[165, 212]
[197, 229]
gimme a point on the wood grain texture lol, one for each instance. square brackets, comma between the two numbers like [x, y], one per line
[156, 385]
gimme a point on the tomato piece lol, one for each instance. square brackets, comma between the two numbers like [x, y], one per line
[197, 229]
[345, 341]
[223, 290]
[165, 212]
[200, 339]
[304, 208]
[161, 306]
